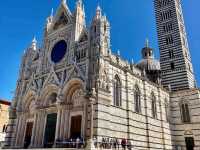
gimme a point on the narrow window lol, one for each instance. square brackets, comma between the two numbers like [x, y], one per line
[4, 127]
[172, 66]
[171, 54]
[153, 105]
[137, 100]
[95, 29]
[105, 28]
[185, 113]
[117, 91]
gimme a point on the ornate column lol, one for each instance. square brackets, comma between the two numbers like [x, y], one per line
[66, 123]
[34, 132]
[17, 129]
[58, 124]
[41, 128]
[91, 101]
[21, 131]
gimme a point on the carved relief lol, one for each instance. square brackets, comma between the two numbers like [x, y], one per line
[77, 98]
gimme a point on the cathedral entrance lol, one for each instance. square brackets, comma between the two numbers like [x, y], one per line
[76, 123]
[28, 134]
[189, 143]
[50, 130]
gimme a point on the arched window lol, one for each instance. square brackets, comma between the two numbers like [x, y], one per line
[153, 105]
[117, 91]
[185, 113]
[137, 100]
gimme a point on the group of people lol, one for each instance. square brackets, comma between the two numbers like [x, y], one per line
[103, 143]
[71, 143]
[113, 143]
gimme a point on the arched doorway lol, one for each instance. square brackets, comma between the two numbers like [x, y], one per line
[75, 99]
[189, 140]
[77, 114]
[51, 120]
[50, 130]
[75, 129]
[28, 107]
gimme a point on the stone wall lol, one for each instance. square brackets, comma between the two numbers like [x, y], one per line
[142, 129]
[181, 130]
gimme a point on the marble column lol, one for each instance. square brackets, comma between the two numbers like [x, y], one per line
[66, 124]
[90, 142]
[58, 124]
[17, 130]
[22, 131]
[41, 128]
[34, 132]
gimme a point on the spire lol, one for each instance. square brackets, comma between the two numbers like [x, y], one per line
[79, 3]
[132, 61]
[63, 1]
[98, 12]
[118, 53]
[34, 44]
[147, 42]
[52, 12]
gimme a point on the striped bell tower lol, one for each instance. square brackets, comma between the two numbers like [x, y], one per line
[176, 65]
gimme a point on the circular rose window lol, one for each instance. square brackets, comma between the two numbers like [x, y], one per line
[58, 51]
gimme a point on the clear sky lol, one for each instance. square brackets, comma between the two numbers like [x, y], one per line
[132, 21]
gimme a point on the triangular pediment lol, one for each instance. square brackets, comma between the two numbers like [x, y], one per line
[62, 17]
[61, 22]
[83, 36]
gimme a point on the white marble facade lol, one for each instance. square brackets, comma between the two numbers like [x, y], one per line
[81, 82]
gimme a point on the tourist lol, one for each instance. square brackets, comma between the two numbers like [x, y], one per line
[123, 143]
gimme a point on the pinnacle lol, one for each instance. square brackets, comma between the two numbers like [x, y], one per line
[98, 8]
[34, 40]
[52, 12]
[147, 42]
[63, 1]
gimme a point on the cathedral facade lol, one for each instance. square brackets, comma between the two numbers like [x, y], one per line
[73, 86]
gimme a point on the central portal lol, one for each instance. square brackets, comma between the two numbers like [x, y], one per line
[50, 130]
[76, 123]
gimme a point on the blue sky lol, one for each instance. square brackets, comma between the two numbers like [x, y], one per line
[132, 21]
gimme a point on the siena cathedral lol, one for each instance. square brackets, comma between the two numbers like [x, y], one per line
[74, 87]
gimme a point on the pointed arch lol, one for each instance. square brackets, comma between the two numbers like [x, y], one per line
[84, 36]
[75, 84]
[137, 99]
[185, 111]
[49, 95]
[28, 101]
[117, 91]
